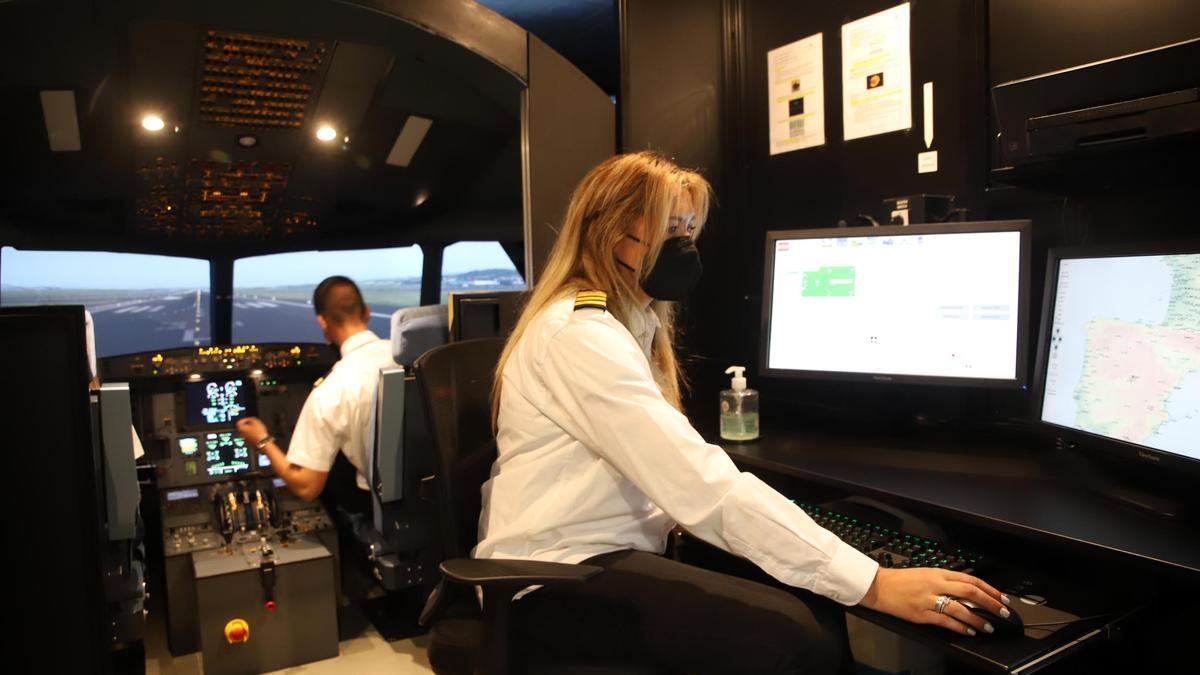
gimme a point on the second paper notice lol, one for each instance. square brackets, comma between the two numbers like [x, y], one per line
[876, 74]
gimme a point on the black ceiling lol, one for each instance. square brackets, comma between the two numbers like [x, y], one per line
[584, 31]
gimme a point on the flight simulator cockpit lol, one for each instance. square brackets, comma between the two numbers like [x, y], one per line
[241, 554]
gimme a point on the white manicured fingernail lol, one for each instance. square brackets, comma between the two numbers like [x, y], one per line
[1005, 613]
[971, 632]
[987, 628]
[1004, 599]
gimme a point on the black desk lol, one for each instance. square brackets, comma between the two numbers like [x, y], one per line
[1000, 489]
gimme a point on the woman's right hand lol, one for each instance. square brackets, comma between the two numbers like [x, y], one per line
[911, 594]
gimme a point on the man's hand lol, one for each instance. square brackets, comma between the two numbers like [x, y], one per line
[252, 429]
[911, 594]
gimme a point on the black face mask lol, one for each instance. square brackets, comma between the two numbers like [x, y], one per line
[675, 272]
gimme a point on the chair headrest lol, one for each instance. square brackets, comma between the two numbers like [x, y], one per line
[416, 330]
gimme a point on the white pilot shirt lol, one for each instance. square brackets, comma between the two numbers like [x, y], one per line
[592, 459]
[336, 412]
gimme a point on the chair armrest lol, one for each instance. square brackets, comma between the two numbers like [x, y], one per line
[494, 572]
[502, 577]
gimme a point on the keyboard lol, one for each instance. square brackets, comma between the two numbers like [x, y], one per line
[893, 548]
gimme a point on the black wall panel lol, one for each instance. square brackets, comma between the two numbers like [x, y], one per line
[569, 127]
[1030, 37]
[817, 187]
[960, 45]
[54, 586]
[677, 58]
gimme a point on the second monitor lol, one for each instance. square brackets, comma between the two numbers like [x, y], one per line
[936, 304]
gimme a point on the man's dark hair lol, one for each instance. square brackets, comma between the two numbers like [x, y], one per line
[338, 300]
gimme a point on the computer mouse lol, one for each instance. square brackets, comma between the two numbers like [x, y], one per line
[1012, 626]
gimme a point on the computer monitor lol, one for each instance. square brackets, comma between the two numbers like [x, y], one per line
[217, 402]
[1118, 363]
[929, 304]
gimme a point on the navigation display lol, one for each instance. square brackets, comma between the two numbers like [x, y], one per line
[216, 402]
[1123, 352]
[225, 453]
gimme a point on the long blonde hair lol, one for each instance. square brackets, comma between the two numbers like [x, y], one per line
[604, 208]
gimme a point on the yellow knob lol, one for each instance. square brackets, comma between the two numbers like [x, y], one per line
[237, 631]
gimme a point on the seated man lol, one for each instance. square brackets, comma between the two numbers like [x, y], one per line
[336, 413]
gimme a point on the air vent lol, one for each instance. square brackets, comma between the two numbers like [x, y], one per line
[258, 81]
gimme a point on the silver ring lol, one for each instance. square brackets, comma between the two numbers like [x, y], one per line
[943, 601]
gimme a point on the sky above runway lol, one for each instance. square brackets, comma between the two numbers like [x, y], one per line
[96, 269]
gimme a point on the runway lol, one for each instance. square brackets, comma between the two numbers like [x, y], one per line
[181, 319]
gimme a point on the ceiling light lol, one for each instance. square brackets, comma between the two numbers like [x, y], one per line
[152, 123]
[409, 140]
[62, 126]
[326, 133]
[247, 140]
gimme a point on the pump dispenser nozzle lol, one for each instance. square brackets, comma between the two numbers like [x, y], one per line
[739, 379]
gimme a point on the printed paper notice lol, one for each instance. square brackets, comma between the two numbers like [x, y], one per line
[876, 75]
[797, 91]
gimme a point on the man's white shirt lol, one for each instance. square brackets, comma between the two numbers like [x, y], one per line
[336, 414]
[592, 459]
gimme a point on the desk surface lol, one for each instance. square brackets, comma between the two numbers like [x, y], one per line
[986, 484]
[997, 488]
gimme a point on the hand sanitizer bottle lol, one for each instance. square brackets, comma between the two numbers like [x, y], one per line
[739, 409]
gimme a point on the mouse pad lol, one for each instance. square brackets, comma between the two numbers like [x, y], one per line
[1034, 614]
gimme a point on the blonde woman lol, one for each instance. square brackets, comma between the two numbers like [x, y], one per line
[596, 464]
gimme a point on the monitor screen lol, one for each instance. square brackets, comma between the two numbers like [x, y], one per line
[188, 446]
[225, 453]
[216, 402]
[938, 304]
[1122, 352]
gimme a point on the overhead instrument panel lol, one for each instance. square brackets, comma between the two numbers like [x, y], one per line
[204, 360]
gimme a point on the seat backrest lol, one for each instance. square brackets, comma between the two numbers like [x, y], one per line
[386, 434]
[416, 330]
[456, 380]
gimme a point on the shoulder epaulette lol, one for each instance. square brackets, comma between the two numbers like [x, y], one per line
[591, 300]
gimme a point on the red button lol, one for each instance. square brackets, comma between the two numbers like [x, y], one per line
[237, 633]
[270, 605]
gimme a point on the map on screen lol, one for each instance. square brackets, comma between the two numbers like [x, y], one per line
[1123, 359]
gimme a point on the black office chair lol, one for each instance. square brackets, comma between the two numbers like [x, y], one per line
[456, 380]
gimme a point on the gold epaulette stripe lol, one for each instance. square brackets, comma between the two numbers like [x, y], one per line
[591, 300]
